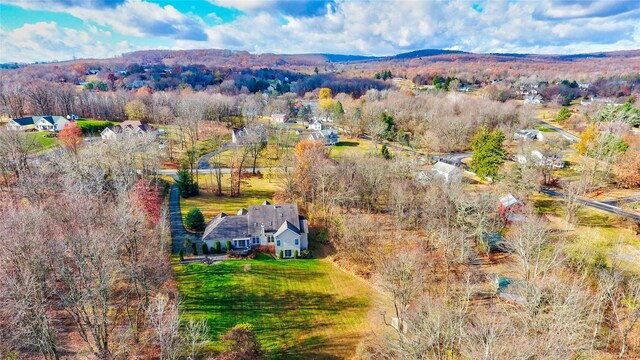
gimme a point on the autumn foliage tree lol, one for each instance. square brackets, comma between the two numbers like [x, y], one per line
[71, 136]
[148, 198]
[628, 170]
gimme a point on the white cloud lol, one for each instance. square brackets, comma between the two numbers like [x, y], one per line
[128, 17]
[48, 41]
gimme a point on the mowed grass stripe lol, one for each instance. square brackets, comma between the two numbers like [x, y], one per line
[299, 308]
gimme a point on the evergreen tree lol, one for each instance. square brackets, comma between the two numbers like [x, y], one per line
[488, 153]
[385, 152]
[186, 186]
[195, 220]
[338, 111]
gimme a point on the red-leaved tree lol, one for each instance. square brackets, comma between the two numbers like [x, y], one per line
[71, 136]
[148, 198]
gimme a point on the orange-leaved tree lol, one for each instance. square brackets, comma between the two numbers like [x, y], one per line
[71, 136]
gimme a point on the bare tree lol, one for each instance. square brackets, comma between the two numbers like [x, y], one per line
[165, 320]
[196, 335]
[529, 241]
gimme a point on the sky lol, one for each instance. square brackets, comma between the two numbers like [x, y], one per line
[50, 30]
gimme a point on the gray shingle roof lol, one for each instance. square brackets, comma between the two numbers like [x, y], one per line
[226, 227]
[272, 216]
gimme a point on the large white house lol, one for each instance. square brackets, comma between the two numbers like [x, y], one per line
[40, 123]
[278, 227]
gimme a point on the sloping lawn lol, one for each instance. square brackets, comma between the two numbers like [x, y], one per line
[93, 127]
[253, 191]
[300, 309]
[43, 142]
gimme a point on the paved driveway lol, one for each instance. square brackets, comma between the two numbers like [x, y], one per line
[178, 233]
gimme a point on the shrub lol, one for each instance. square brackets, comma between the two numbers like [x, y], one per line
[195, 220]
[217, 247]
[195, 249]
[306, 254]
[181, 254]
[205, 248]
[280, 254]
[228, 246]
[295, 254]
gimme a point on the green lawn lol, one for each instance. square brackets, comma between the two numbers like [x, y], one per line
[349, 146]
[91, 126]
[253, 191]
[300, 309]
[42, 142]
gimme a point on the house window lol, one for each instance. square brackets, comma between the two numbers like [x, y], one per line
[297, 242]
[278, 243]
[287, 253]
[269, 238]
[255, 239]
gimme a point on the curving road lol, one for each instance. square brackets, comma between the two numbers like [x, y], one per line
[596, 205]
[567, 135]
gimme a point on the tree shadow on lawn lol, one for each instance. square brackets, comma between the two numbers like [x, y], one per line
[348, 143]
[284, 319]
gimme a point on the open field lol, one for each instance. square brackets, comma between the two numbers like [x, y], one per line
[348, 146]
[300, 309]
[93, 127]
[596, 234]
[254, 191]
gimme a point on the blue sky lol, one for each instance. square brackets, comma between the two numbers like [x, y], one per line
[46, 30]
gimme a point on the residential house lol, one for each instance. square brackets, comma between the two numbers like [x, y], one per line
[39, 123]
[538, 158]
[585, 102]
[280, 118]
[446, 172]
[584, 85]
[21, 124]
[92, 71]
[239, 135]
[50, 123]
[277, 227]
[511, 208]
[128, 128]
[533, 99]
[316, 125]
[329, 137]
[530, 134]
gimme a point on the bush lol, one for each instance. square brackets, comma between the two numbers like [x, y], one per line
[205, 248]
[280, 254]
[195, 220]
[228, 246]
[181, 254]
[217, 247]
[306, 254]
[295, 254]
[195, 249]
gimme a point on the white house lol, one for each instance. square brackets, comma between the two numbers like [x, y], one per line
[540, 159]
[50, 123]
[316, 125]
[21, 124]
[446, 172]
[329, 137]
[533, 99]
[530, 134]
[278, 227]
[40, 123]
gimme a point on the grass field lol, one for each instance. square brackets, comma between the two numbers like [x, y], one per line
[42, 142]
[349, 146]
[597, 233]
[253, 191]
[300, 309]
